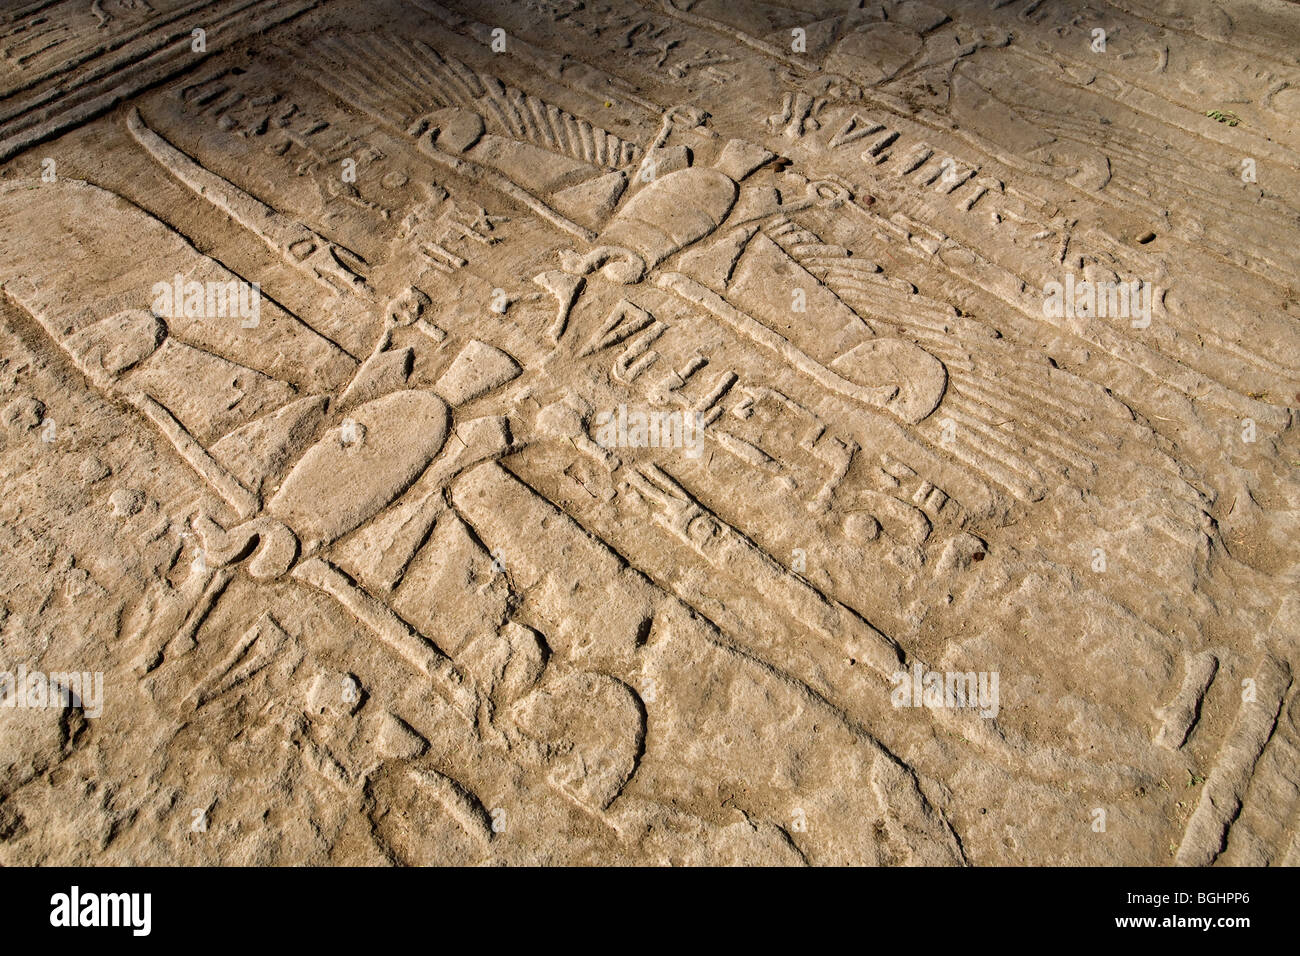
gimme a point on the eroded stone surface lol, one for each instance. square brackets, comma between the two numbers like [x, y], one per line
[626, 432]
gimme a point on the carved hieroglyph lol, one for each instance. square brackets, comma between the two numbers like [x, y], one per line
[648, 432]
